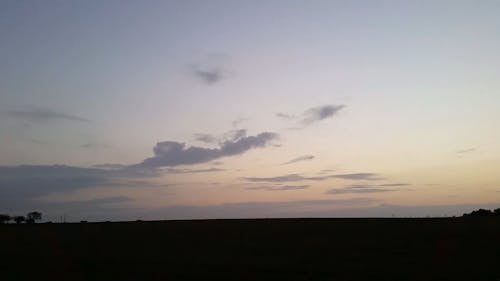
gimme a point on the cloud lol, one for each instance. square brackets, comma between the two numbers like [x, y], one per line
[285, 178]
[91, 145]
[465, 152]
[300, 158]
[285, 116]
[232, 135]
[206, 138]
[192, 171]
[238, 121]
[394, 184]
[312, 115]
[23, 183]
[358, 176]
[462, 151]
[356, 190]
[208, 75]
[20, 185]
[320, 113]
[298, 177]
[170, 153]
[110, 166]
[235, 135]
[41, 115]
[359, 188]
[279, 187]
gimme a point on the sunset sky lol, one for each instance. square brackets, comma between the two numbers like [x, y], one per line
[224, 109]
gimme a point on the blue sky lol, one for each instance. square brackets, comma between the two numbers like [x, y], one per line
[290, 107]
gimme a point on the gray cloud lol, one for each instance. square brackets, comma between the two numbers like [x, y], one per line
[285, 178]
[232, 135]
[312, 115]
[110, 166]
[192, 171]
[91, 145]
[298, 177]
[321, 112]
[356, 190]
[170, 153]
[206, 138]
[41, 115]
[235, 135]
[360, 188]
[394, 184]
[358, 176]
[300, 158]
[285, 116]
[20, 185]
[238, 121]
[209, 75]
[279, 187]
[23, 183]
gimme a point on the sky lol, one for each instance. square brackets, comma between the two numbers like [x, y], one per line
[123, 110]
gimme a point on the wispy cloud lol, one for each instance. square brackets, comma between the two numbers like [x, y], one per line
[206, 138]
[394, 184]
[170, 153]
[42, 115]
[320, 113]
[232, 135]
[91, 145]
[360, 188]
[358, 176]
[238, 121]
[312, 115]
[208, 75]
[285, 178]
[192, 171]
[279, 187]
[300, 158]
[299, 177]
[464, 152]
[285, 116]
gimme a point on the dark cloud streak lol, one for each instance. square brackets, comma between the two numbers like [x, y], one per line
[170, 153]
[299, 159]
[40, 115]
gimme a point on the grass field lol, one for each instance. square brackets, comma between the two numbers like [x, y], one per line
[264, 249]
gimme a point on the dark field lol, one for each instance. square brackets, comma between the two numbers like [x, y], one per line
[273, 249]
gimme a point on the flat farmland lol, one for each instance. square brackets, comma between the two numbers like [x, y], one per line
[254, 249]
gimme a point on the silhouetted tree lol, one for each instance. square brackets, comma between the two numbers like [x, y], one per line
[4, 218]
[480, 213]
[31, 217]
[19, 219]
[497, 212]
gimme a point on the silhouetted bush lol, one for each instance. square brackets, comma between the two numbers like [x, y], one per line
[83, 221]
[497, 212]
[31, 217]
[4, 218]
[19, 219]
[482, 213]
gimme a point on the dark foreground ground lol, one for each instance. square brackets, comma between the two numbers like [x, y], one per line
[274, 249]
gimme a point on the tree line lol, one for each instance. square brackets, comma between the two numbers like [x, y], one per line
[31, 217]
[483, 213]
